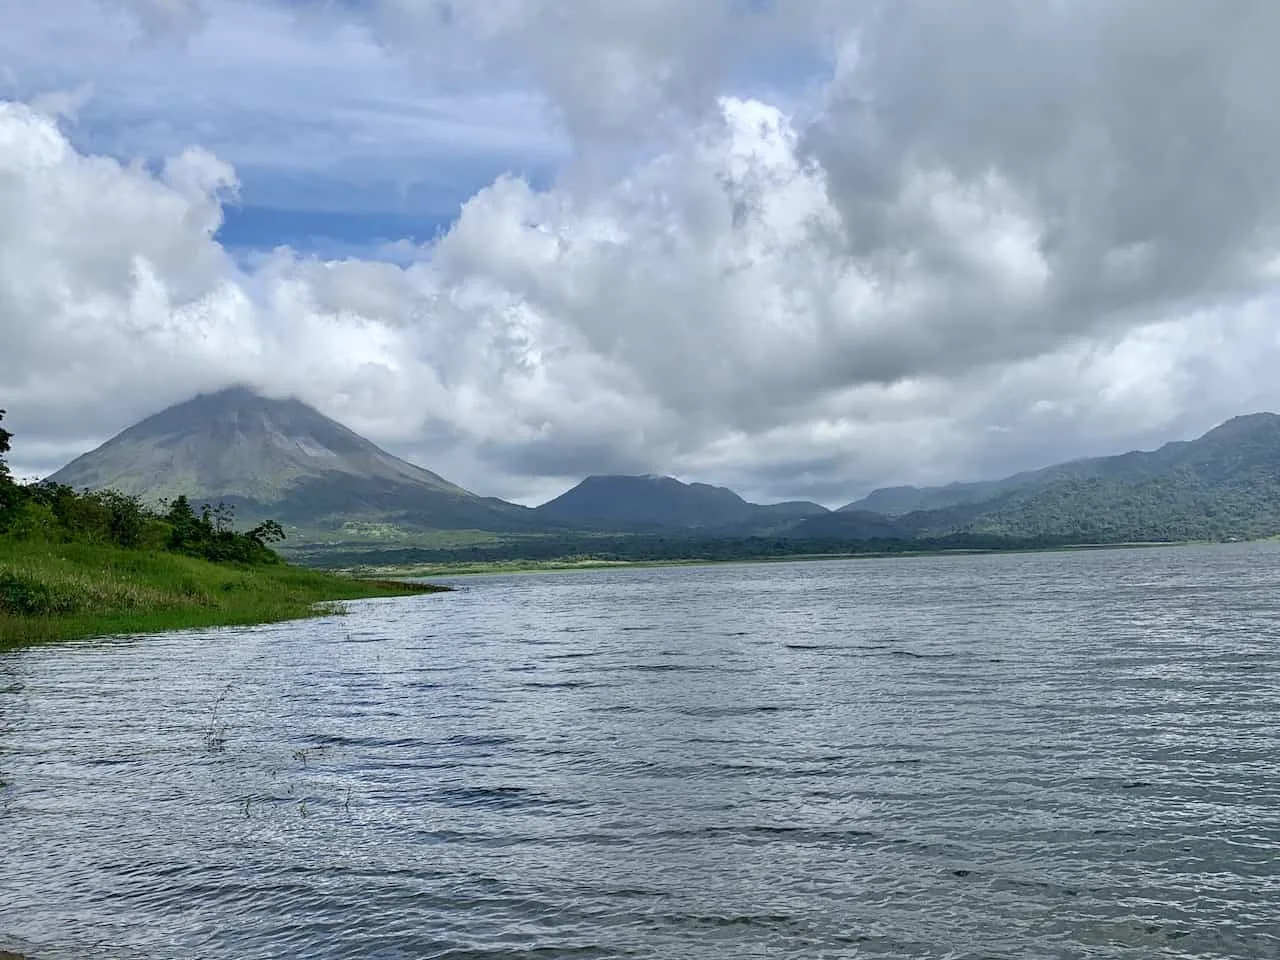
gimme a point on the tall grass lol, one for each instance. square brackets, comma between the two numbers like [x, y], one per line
[69, 591]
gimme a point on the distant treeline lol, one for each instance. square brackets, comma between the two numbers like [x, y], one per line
[640, 548]
[45, 512]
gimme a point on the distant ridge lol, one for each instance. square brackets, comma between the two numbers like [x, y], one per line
[897, 501]
[1225, 483]
[283, 458]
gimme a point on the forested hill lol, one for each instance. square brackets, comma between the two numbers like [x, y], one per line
[622, 502]
[1224, 484]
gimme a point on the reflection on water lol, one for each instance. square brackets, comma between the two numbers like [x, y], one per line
[1054, 755]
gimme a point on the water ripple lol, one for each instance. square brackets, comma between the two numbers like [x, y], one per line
[1057, 755]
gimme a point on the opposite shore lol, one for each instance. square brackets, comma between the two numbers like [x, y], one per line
[567, 565]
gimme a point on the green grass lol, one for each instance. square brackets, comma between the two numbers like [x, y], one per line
[71, 591]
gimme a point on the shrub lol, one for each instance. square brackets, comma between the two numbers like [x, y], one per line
[24, 594]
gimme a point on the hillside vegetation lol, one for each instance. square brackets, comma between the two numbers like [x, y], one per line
[88, 564]
[1222, 485]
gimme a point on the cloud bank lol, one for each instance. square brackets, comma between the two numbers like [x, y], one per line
[861, 244]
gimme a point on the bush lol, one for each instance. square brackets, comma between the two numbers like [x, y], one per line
[23, 594]
[209, 535]
[35, 523]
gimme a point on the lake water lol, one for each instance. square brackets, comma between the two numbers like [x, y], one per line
[1050, 755]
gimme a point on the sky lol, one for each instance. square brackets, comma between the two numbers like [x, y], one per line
[802, 248]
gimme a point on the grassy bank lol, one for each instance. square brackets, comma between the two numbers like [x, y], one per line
[69, 591]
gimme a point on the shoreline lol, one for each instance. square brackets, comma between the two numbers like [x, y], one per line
[17, 633]
[73, 592]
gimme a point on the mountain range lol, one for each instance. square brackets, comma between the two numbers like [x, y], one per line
[282, 459]
[1224, 484]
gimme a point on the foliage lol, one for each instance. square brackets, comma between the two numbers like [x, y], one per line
[50, 513]
[5, 437]
[1224, 485]
[210, 534]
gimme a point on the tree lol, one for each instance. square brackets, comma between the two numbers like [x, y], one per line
[10, 492]
[127, 517]
[187, 528]
[219, 518]
[5, 437]
[269, 531]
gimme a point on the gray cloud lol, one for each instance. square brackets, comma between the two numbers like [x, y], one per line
[164, 19]
[1131, 144]
[614, 72]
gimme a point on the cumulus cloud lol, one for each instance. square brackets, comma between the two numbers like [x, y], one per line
[938, 241]
[113, 286]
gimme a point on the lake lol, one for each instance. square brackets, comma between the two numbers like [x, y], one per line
[1049, 755]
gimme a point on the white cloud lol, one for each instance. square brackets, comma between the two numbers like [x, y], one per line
[968, 245]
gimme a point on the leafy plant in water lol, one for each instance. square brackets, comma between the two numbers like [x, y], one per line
[215, 734]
